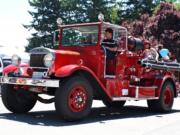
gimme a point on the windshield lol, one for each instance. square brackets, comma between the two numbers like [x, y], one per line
[80, 36]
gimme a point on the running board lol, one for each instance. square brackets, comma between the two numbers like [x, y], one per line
[132, 98]
[138, 94]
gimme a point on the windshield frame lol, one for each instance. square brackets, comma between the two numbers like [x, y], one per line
[100, 28]
[98, 24]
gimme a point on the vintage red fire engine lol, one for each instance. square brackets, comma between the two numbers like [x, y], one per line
[78, 72]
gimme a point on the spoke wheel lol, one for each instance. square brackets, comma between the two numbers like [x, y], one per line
[78, 99]
[73, 100]
[166, 99]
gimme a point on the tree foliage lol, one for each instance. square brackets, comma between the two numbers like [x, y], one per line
[133, 9]
[44, 17]
[45, 13]
[163, 27]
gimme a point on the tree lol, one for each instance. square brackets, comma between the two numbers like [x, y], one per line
[133, 9]
[44, 17]
[46, 12]
[106, 7]
[162, 27]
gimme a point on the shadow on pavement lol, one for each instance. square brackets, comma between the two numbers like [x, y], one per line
[100, 115]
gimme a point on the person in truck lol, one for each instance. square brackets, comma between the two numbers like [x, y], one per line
[164, 53]
[110, 44]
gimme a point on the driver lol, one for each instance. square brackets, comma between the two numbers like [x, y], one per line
[109, 44]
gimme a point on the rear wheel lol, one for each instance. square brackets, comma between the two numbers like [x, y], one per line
[73, 100]
[115, 104]
[165, 101]
[16, 101]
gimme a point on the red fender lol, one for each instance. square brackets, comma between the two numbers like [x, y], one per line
[70, 69]
[66, 70]
[167, 77]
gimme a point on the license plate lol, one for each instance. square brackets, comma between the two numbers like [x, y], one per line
[38, 74]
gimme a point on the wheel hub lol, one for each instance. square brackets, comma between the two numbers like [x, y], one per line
[78, 99]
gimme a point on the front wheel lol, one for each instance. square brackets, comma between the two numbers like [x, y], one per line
[165, 101]
[73, 100]
[16, 100]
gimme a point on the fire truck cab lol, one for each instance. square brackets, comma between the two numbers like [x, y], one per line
[79, 72]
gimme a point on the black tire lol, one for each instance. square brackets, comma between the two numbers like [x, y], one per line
[115, 104]
[73, 100]
[165, 101]
[16, 101]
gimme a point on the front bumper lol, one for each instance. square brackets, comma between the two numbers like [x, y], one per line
[29, 81]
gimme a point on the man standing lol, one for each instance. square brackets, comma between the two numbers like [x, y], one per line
[109, 44]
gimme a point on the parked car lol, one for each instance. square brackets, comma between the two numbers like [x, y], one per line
[4, 61]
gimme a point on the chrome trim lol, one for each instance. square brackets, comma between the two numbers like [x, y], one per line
[80, 24]
[137, 92]
[29, 81]
[114, 25]
[42, 50]
[39, 67]
[148, 87]
[131, 98]
[110, 76]
[104, 61]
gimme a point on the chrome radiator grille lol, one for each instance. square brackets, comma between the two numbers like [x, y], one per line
[37, 60]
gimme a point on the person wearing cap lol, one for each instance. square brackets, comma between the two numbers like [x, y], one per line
[109, 44]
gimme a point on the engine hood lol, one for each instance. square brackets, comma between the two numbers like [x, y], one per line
[61, 57]
[43, 50]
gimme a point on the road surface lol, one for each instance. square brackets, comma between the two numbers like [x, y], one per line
[133, 119]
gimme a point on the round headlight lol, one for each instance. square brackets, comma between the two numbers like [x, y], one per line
[16, 60]
[48, 59]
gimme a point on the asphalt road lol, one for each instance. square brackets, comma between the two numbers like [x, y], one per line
[133, 119]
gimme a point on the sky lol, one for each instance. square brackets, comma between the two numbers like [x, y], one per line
[13, 14]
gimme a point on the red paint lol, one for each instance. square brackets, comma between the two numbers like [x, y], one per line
[77, 99]
[168, 96]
